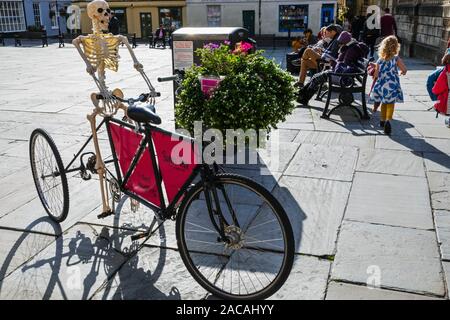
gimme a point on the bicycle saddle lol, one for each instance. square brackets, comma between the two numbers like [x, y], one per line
[143, 114]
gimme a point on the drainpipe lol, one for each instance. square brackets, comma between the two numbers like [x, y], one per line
[259, 16]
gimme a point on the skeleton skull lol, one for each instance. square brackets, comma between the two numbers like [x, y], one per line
[99, 12]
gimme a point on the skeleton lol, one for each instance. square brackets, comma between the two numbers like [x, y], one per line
[100, 51]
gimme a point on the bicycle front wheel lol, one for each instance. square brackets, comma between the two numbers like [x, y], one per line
[49, 175]
[257, 256]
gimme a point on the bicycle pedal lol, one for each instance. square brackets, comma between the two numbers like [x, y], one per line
[105, 214]
[139, 236]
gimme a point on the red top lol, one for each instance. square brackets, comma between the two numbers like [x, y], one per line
[388, 26]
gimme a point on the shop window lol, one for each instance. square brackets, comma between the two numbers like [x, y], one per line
[170, 17]
[214, 16]
[293, 18]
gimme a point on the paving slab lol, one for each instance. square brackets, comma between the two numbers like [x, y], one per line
[299, 115]
[442, 219]
[335, 139]
[286, 135]
[434, 131]
[307, 281]
[19, 246]
[82, 202]
[328, 162]
[155, 274]
[446, 266]
[420, 117]
[405, 143]
[439, 145]
[391, 162]
[440, 190]
[390, 200]
[381, 254]
[72, 267]
[315, 222]
[345, 291]
[438, 162]
[277, 156]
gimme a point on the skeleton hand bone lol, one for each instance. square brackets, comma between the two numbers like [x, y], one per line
[90, 69]
[138, 66]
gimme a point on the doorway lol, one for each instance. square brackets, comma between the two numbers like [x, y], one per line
[327, 15]
[146, 24]
[248, 18]
[121, 14]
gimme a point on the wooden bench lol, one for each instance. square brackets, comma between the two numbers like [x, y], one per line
[63, 37]
[131, 39]
[346, 85]
[24, 35]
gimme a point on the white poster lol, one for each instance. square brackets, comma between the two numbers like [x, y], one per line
[183, 54]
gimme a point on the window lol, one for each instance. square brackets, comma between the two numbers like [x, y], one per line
[37, 14]
[170, 17]
[213, 16]
[54, 15]
[11, 16]
[293, 17]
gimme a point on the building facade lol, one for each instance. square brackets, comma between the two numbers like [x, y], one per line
[141, 17]
[282, 18]
[359, 7]
[23, 15]
[424, 27]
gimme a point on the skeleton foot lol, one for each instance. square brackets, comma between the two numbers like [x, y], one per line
[105, 214]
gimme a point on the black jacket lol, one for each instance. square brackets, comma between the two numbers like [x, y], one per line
[157, 33]
[114, 25]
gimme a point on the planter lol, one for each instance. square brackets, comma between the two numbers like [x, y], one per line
[209, 84]
[251, 91]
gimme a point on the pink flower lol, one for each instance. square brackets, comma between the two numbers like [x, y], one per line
[243, 48]
[211, 46]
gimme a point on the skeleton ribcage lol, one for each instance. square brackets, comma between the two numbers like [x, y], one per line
[102, 49]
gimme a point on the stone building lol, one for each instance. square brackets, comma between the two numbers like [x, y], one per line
[359, 7]
[424, 27]
[141, 17]
[20, 15]
[282, 18]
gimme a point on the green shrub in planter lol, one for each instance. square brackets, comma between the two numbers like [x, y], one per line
[255, 92]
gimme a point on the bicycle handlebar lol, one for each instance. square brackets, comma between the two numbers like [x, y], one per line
[170, 78]
[142, 98]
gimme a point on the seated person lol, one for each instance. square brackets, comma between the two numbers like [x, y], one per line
[349, 53]
[300, 43]
[160, 35]
[297, 44]
[311, 56]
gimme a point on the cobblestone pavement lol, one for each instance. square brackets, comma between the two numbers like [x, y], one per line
[365, 208]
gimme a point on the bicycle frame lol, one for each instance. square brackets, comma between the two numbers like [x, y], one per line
[167, 209]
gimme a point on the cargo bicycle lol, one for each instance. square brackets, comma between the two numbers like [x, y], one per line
[233, 235]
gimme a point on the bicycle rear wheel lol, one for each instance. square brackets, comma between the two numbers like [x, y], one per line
[49, 175]
[258, 255]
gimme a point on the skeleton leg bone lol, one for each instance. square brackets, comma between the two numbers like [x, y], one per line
[99, 164]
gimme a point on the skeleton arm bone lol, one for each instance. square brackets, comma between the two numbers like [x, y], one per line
[137, 65]
[77, 43]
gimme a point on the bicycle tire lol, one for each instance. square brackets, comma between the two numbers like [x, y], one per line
[193, 194]
[64, 208]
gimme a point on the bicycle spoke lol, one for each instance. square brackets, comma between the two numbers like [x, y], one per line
[255, 241]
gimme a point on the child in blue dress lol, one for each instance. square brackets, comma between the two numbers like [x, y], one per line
[387, 89]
